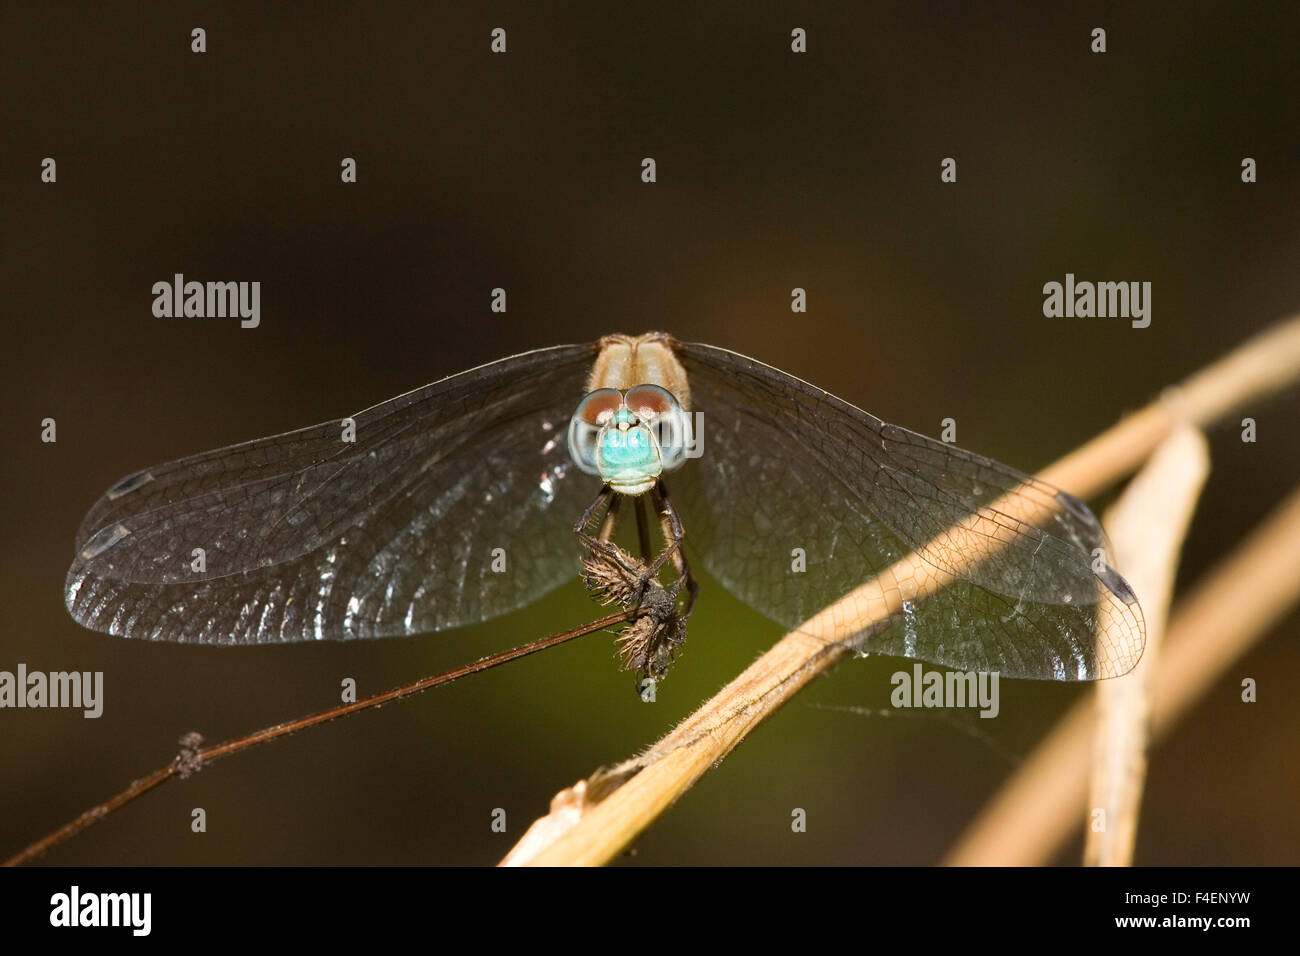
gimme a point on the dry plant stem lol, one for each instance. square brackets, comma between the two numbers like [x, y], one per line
[1259, 367]
[1223, 616]
[1147, 528]
[186, 763]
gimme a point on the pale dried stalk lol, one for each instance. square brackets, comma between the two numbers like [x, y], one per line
[1147, 527]
[1225, 614]
[658, 777]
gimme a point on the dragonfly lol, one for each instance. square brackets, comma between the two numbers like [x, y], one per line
[479, 493]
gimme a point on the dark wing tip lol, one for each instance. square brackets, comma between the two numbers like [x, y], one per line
[1117, 586]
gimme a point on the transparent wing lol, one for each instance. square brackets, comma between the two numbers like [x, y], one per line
[790, 473]
[452, 504]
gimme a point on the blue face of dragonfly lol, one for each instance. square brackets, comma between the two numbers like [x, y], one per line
[629, 438]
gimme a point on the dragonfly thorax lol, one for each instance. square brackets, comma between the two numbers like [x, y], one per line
[629, 438]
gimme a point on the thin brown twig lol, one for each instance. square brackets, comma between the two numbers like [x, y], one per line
[649, 784]
[188, 762]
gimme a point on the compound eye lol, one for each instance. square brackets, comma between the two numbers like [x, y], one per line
[599, 406]
[595, 411]
[648, 402]
[659, 410]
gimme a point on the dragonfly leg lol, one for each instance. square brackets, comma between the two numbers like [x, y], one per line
[601, 543]
[602, 498]
[674, 532]
[642, 529]
[611, 515]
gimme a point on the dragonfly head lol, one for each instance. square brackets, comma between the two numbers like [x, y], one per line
[629, 438]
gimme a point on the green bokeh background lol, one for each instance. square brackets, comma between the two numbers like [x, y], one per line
[522, 171]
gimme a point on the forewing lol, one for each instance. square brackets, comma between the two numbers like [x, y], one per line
[452, 504]
[787, 466]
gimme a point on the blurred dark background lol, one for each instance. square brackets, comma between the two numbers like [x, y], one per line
[522, 170]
